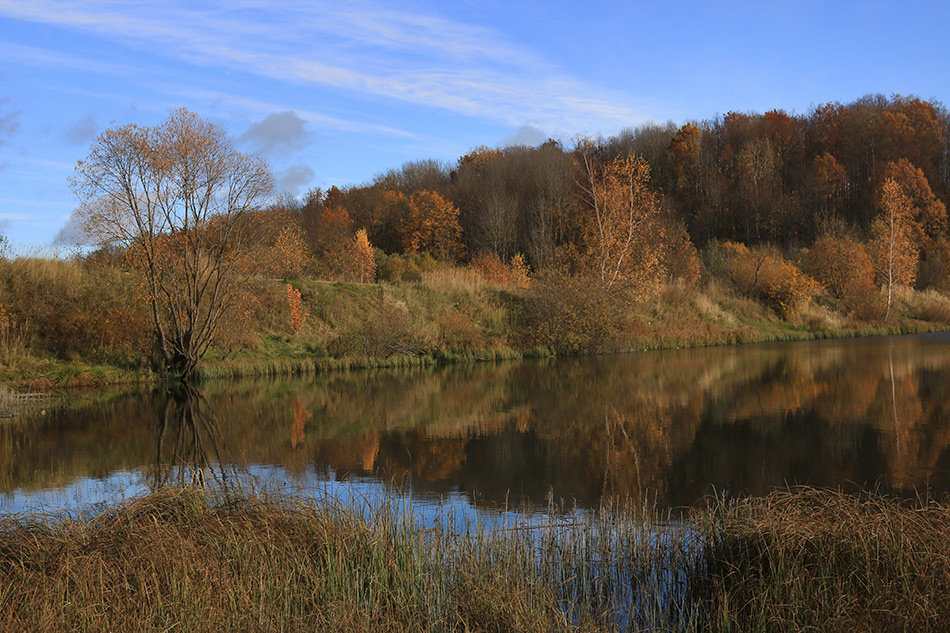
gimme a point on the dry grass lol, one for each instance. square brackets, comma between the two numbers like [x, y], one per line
[809, 560]
[928, 305]
[186, 560]
[820, 318]
[458, 283]
[179, 561]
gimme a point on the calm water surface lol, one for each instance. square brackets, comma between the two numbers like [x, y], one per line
[666, 426]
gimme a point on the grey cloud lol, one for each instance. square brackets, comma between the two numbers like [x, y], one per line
[73, 234]
[83, 130]
[525, 135]
[278, 133]
[294, 178]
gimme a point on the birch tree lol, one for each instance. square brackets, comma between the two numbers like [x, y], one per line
[621, 228]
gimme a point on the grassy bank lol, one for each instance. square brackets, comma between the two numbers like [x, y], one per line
[65, 323]
[177, 560]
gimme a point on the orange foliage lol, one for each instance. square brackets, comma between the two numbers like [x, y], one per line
[300, 416]
[479, 158]
[927, 216]
[297, 315]
[680, 259]
[830, 179]
[388, 215]
[762, 273]
[492, 269]
[893, 248]
[432, 226]
[290, 256]
[842, 265]
[620, 223]
[334, 227]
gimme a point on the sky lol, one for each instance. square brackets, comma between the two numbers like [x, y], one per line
[333, 93]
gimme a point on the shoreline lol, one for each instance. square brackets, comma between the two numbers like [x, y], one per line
[52, 377]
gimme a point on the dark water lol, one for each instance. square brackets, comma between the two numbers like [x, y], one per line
[667, 426]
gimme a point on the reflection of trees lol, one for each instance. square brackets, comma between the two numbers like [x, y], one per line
[664, 424]
[188, 442]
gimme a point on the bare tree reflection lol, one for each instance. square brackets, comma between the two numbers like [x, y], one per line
[189, 446]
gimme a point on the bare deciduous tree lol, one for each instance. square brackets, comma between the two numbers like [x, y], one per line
[176, 196]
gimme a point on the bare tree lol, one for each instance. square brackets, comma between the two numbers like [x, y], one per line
[176, 196]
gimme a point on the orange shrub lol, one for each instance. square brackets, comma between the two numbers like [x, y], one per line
[841, 264]
[784, 287]
[493, 270]
[680, 258]
[762, 273]
[489, 265]
[297, 315]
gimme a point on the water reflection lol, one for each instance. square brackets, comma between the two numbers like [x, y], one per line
[660, 426]
[190, 447]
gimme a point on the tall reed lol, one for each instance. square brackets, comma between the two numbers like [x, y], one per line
[186, 559]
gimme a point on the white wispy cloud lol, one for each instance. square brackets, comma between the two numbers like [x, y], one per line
[367, 49]
[34, 56]
[256, 106]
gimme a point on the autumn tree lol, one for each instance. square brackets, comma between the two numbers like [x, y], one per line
[685, 149]
[290, 254]
[177, 196]
[680, 259]
[432, 226]
[927, 214]
[362, 261]
[387, 217]
[892, 247]
[620, 226]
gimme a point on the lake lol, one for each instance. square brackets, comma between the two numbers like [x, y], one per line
[666, 427]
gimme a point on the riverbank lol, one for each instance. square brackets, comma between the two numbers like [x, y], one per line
[66, 326]
[793, 561]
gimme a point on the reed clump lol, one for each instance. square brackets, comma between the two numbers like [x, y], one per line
[187, 559]
[818, 560]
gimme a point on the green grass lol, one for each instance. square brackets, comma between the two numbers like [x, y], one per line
[803, 560]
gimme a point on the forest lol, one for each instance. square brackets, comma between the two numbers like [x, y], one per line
[745, 227]
[850, 196]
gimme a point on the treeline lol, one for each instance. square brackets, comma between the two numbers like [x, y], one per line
[757, 179]
[725, 230]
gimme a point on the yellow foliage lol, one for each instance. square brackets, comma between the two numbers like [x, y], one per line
[363, 262]
[620, 224]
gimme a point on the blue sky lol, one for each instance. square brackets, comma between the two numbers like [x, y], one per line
[333, 93]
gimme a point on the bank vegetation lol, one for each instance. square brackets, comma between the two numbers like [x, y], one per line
[749, 227]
